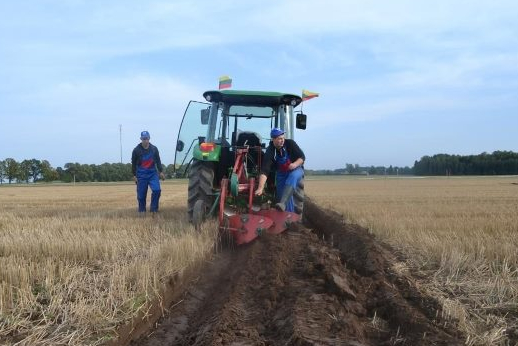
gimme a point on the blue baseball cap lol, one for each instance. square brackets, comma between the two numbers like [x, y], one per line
[144, 135]
[276, 132]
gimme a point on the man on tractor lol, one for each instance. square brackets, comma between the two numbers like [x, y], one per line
[286, 157]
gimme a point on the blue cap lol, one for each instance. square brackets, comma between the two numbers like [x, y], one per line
[144, 135]
[276, 132]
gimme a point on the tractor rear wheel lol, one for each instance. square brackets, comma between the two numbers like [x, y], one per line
[199, 213]
[298, 197]
[201, 181]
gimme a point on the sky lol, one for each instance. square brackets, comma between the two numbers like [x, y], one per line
[397, 80]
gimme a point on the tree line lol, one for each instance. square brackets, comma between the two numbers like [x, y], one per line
[34, 170]
[496, 163]
[355, 169]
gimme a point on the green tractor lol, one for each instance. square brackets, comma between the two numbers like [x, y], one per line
[220, 147]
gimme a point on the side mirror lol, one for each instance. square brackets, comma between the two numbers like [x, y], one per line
[205, 116]
[301, 121]
[179, 145]
[201, 139]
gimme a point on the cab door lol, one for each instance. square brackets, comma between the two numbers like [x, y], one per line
[193, 126]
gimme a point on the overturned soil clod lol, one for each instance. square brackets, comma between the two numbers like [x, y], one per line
[322, 283]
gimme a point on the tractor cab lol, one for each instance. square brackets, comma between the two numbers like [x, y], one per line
[231, 128]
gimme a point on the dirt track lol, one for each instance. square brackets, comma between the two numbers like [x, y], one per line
[325, 283]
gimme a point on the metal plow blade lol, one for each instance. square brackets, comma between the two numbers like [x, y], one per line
[281, 219]
[246, 227]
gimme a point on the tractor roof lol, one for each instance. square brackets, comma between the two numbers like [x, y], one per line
[244, 97]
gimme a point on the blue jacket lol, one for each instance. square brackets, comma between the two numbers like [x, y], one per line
[145, 160]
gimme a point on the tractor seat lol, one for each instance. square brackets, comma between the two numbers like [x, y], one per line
[253, 158]
[248, 138]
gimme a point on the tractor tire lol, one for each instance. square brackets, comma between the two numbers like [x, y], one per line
[298, 197]
[199, 213]
[201, 181]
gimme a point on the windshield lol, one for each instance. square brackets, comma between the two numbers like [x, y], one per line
[251, 111]
[254, 119]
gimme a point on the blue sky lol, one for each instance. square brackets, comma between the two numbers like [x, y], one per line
[397, 79]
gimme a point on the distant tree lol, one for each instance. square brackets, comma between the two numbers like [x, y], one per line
[3, 169]
[85, 173]
[123, 171]
[180, 171]
[406, 171]
[48, 173]
[107, 172]
[24, 171]
[73, 172]
[110, 172]
[11, 169]
[169, 171]
[35, 169]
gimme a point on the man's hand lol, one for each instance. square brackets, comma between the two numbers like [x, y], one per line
[260, 185]
[292, 166]
[162, 176]
[299, 162]
[135, 179]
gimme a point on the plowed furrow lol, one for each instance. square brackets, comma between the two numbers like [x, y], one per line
[329, 285]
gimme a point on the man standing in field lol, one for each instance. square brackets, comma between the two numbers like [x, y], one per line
[147, 167]
[286, 157]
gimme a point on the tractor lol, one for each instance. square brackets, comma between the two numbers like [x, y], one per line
[220, 147]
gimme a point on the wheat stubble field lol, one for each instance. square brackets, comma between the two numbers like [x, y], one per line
[458, 234]
[76, 261]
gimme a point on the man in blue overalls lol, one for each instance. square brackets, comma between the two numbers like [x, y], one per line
[285, 156]
[147, 167]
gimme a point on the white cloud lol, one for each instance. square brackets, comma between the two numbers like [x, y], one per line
[131, 97]
[370, 60]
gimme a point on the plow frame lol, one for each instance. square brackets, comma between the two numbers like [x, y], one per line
[246, 224]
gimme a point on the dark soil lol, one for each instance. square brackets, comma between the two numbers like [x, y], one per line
[322, 283]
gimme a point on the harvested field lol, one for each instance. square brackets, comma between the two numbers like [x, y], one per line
[76, 261]
[96, 274]
[458, 236]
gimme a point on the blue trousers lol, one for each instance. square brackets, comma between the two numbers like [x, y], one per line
[288, 178]
[143, 181]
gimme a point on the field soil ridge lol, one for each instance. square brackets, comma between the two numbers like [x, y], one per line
[324, 282]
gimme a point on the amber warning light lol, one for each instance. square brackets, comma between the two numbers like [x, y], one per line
[207, 147]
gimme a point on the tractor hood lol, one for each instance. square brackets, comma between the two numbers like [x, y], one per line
[244, 97]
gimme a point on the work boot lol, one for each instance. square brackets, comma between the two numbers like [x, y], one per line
[286, 195]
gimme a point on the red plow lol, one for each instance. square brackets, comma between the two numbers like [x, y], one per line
[238, 215]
